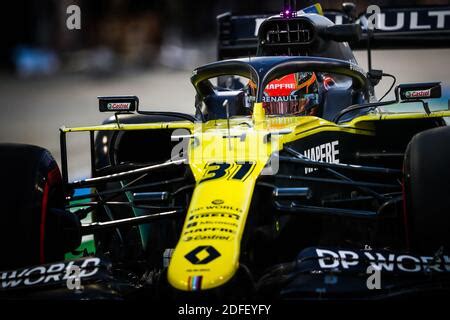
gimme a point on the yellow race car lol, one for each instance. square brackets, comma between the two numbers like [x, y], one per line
[290, 181]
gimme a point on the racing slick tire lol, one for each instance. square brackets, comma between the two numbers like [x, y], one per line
[427, 191]
[34, 224]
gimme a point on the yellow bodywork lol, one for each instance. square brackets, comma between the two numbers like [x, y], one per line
[226, 162]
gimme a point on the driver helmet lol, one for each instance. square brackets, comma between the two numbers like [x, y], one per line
[292, 94]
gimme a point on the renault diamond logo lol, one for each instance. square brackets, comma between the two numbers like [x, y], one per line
[202, 255]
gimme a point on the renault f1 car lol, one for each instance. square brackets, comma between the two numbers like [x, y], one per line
[308, 192]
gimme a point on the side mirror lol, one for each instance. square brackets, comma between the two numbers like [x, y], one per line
[418, 91]
[342, 32]
[118, 104]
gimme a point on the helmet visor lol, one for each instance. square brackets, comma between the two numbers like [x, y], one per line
[291, 105]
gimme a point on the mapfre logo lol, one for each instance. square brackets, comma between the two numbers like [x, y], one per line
[326, 152]
[281, 87]
[277, 86]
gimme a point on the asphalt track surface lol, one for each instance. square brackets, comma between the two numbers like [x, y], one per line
[33, 109]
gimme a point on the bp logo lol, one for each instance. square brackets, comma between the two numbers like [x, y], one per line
[202, 255]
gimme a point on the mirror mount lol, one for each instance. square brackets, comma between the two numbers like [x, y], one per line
[416, 92]
[118, 105]
[401, 97]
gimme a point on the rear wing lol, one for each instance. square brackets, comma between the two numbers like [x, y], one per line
[395, 28]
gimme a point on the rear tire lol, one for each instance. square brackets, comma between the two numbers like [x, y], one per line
[427, 190]
[33, 216]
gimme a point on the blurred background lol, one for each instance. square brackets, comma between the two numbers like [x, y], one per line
[50, 75]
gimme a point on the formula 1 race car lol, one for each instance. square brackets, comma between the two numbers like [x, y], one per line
[290, 181]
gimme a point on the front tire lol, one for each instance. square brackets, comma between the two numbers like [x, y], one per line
[427, 190]
[33, 216]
